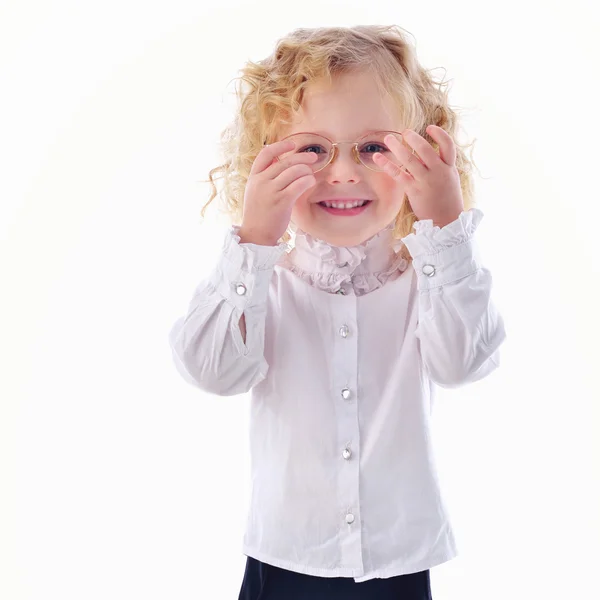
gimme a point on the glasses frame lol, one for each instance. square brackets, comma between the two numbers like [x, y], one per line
[334, 147]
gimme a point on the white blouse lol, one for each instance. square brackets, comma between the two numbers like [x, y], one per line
[343, 348]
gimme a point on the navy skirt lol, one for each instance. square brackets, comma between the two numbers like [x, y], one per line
[266, 582]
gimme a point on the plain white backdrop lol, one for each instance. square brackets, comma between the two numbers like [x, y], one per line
[119, 480]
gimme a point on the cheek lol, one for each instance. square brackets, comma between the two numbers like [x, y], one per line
[302, 209]
[388, 190]
[390, 185]
[302, 205]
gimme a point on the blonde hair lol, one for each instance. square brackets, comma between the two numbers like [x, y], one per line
[270, 90]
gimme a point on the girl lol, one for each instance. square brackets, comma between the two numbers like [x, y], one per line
[344, 143]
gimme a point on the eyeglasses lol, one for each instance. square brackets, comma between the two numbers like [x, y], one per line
[327, 150]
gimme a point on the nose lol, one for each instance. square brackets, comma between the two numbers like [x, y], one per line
[343, 168]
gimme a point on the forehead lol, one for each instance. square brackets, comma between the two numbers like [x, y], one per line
[346, 108]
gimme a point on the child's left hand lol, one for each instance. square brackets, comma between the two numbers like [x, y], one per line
[433, 182]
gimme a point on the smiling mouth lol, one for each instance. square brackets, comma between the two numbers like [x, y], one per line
[345, 205]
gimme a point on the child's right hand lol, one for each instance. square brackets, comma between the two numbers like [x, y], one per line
[271, 191]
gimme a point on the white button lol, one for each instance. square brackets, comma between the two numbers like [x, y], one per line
[344, 331]
[346, 453]
[345, 393]
[240, 289]
[429, 270]
[349, 518]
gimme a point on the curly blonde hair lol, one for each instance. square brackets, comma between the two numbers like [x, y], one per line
[270, 90]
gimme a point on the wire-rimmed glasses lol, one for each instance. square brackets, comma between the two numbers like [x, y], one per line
[326, 150]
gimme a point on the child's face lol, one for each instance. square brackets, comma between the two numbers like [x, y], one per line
[349, 108]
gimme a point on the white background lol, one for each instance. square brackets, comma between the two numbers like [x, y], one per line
[119, 480]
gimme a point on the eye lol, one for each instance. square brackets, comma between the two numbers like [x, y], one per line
[375, 147]
[312, 149]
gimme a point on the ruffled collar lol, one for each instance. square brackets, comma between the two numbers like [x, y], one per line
[346, 269]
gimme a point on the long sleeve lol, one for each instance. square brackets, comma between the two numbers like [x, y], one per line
[207, 345]
[459, 327]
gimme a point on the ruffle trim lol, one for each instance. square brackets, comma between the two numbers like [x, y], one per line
[360, 283]
[338, 269]
[248, 256]
[430, 239]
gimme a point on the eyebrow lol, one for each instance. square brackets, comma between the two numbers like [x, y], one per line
[356, 137]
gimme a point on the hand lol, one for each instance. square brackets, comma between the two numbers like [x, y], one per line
[432, 182]
[272, 189]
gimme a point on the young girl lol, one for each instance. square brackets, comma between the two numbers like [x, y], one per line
[345, 143]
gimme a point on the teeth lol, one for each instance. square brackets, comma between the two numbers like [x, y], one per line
[354, 204]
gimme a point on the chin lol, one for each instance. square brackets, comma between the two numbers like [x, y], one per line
[340, 238]
[340, 230]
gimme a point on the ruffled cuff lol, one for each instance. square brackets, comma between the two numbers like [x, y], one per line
[447, 254]
[429, 239]
[244, 271]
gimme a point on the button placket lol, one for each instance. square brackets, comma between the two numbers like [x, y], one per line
[346, 381]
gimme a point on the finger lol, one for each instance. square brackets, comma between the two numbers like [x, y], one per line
[406, 156]
[280, 165]
[289, 175]
[299, 186]
[268, 154]
[395, 171]
[445, 143]
[420, 145]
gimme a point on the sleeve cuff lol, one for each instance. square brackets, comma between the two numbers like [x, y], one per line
[447, 254]
[244, 272]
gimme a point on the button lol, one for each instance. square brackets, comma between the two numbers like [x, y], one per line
[349, 518]
[240, 289]
[345, 393]
[429, 270]
[344, 331]
[346, 453]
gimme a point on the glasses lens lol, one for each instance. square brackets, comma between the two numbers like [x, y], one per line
[310, 142]
[372, 143]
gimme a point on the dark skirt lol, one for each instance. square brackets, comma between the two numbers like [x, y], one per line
[266, 582]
